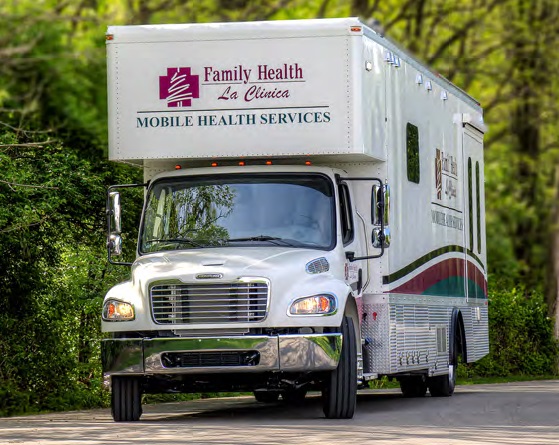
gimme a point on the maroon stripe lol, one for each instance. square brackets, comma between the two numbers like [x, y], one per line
[452, 267]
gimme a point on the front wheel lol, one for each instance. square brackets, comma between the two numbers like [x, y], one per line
[339, 393]
[126, 399]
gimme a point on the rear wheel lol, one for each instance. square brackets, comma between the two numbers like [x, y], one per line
[414, 386]
[443, 385]
[126, 399]
[266, 396]
[339, 393]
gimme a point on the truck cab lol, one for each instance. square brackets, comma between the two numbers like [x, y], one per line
[242, 271]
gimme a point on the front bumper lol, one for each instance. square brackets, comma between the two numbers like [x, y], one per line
[259, 353]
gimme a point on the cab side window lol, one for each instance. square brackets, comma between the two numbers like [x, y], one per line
[346, 215]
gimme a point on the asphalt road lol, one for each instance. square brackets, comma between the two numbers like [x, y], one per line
[514, 413]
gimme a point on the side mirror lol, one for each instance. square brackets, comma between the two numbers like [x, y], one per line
[380, 215]
[114, 228]
[114, 213]
[377, 238]
[115, 244]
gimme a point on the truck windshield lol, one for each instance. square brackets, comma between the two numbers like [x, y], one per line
[229, 210]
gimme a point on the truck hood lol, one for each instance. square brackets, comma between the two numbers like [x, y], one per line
[230, 262]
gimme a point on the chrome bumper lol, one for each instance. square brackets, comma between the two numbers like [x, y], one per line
[289, 353]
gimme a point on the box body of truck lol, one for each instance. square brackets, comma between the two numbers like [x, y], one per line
[314, 214]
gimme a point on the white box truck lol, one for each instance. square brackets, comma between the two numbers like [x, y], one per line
[313, 217]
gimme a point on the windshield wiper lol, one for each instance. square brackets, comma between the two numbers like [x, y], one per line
[272, 239]
[175, 240]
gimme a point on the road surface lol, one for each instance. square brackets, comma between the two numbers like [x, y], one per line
[514, 413]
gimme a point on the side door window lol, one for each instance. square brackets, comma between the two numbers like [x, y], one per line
[346, 215]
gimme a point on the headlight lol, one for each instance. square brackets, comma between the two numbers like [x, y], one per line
[316, 305]
[114, 310]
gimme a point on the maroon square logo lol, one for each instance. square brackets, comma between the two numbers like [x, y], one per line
[179, 87]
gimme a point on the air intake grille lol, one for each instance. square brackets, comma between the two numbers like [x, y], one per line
[210, 359]
[209, 303]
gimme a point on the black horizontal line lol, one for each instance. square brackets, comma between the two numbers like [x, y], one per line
[450, 175]
[235, 109]
[445, 207]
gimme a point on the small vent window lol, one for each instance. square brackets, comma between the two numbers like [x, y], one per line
[441, 339]
[412, 152]
[346, 215]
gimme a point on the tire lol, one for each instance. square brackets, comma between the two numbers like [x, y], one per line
[266, 396]
[294, 396]
[339, 392]
[126, 399]
[413, 386]
[443, 385]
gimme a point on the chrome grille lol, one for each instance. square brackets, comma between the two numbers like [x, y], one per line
[189, 303]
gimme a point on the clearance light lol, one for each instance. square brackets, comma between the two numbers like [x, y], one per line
[242, 163]
[214, 164]
[177, 167]
[355, 29]
[268, 162]
[316, 305]
[109, 37]
[308, 163]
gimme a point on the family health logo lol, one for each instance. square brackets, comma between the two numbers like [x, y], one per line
[179, 87]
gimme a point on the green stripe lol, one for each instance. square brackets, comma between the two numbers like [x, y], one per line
[454, 287]
[387, 279]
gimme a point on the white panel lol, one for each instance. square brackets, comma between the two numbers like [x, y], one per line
[226, 110]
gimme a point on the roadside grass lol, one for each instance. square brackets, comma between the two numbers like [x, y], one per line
[508, 379]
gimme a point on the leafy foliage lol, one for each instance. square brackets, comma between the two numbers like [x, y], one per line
[521, 337]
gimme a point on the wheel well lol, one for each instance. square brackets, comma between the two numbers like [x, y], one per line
[457, 331]
[351, 311]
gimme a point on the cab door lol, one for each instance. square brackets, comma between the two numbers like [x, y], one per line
[352, 230]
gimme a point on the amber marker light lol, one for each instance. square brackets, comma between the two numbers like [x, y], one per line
[268, 162]
[308, 163]
[242, 163]
[109, 37]
[177, 167]
[214, 164]
[355, 29]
